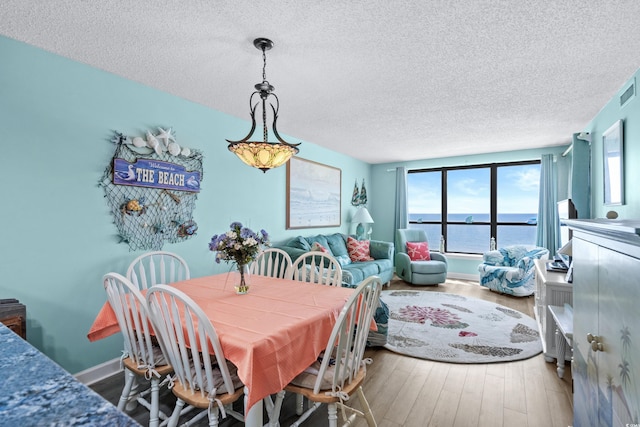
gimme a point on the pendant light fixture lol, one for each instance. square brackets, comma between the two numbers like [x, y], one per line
[263, 155]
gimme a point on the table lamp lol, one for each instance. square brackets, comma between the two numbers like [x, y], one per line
[361, 217]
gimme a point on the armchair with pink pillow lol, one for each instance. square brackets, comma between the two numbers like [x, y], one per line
[415, 263]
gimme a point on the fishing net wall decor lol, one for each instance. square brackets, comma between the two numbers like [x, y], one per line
[148, 217]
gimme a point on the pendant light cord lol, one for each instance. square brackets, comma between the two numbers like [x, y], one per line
[265, 131]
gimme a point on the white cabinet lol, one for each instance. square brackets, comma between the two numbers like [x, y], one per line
[551, 289]
[606, 342]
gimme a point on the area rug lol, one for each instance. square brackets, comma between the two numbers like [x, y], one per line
[453, 328]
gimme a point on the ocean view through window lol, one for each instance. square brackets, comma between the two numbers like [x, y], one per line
[478, 202]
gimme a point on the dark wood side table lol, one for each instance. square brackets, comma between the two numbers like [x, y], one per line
[14, 316]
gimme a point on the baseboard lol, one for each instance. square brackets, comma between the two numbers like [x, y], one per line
[99, 372]
[463, 276]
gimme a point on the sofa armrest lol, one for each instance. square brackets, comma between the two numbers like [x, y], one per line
[381, 250]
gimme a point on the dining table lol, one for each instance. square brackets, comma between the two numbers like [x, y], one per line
[272, 333]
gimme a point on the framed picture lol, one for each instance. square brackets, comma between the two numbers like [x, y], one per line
[613, 162]
[314, 193]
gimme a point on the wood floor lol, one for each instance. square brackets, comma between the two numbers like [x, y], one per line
[405, 391]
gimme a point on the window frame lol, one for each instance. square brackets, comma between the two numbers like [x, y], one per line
[493, 214]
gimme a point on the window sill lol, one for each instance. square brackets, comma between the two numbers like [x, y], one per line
[475, 257]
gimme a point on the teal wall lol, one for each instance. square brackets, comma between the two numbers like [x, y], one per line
[57, 118]
[630, 114]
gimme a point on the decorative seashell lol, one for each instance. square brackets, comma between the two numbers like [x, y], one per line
[158, 148]
[152, 142]
[139, 142]
[185, 151]
[174, 148]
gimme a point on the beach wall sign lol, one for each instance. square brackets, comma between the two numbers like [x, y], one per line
[155, 174]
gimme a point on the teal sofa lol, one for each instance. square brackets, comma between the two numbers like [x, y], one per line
[352, 272]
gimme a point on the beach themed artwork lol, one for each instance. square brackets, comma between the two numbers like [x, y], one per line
[313, 194]
[151, 186]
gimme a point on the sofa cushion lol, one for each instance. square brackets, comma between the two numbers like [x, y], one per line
[366, 268]
[418, 251]
[431, 267]
[358, 249]
[339, 248]
[343, 260]
[384, 264]
[299, 243]
[356, 274]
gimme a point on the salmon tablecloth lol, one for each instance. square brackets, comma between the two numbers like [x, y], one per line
[271, 334]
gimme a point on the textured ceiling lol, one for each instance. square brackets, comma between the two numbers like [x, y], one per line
[378, 80]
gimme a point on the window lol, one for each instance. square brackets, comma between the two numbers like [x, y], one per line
[477, 203]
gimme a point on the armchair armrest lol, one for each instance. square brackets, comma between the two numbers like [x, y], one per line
[437, 256]
[381, 250]
[495, 257]
[403, 266]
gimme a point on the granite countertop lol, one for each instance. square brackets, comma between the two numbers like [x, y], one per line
[36, 391]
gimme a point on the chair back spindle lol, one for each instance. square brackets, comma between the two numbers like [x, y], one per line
[317, 267]
[272, 262]
[158, 267]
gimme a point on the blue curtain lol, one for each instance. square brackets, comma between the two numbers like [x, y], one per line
[548, 229]
[401, 216]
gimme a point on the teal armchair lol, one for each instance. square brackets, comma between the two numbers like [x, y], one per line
[430, 272]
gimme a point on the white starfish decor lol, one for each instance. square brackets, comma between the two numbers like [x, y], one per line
[165, 136]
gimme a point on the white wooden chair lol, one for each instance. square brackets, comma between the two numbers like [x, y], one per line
[158, 267]
[272, 262]
[203, 377]
[317, 267]
[143, 359]
[341, 371]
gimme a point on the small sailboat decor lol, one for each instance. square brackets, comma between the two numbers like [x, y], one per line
[363, 194]
[355, 198]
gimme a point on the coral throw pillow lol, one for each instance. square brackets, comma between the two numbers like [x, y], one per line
[418, 251]
[319, 248]
[358, 249]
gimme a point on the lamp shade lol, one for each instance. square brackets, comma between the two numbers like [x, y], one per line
[263, 155]
[567, 249]
[362, 216]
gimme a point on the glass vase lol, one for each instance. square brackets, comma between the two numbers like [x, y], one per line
[242, 279]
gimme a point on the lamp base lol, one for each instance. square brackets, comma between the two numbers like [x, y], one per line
[360, 231]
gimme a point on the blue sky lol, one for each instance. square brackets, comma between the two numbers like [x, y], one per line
[469, 190]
